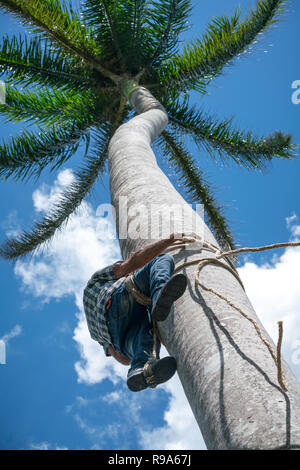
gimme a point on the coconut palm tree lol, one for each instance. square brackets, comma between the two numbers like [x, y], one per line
[90, 76]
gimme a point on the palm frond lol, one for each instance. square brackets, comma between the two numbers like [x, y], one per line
[222, 138]
[138, 13]
[45, 106]
[196, 186]
[61, 23]
[166, 20]
[225, 39]
[106, 11]
[72, 58]
[119, 28]
[56, 19]
[69, 200]
[27, 154]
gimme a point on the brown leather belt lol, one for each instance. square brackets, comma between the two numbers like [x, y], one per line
[135, 292]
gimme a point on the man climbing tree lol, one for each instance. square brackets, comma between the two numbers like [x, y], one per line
[116, 308]
[116, 80]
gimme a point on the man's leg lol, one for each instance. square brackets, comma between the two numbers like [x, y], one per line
[153, 276]
[118, 317]
[155, 280]
[145, 371]
[130, 330]
[138, 344]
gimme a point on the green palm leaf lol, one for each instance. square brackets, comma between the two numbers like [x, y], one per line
[45, 106]
[225, 39]
[27, 61]
[67, 203]
[73, 72]
[71, 198]
[216, 136]
[61, 23]
[166, 20]
[196, 187]
[29, 153]
[108, 19]
[57, 20]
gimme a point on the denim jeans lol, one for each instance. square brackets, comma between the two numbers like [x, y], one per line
[129, 323]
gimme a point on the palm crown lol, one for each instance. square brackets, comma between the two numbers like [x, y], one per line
[73, 71]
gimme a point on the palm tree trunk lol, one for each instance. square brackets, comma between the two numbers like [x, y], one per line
[227, 373]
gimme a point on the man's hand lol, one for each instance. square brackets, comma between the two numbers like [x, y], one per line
[139, 258]
[174, 237]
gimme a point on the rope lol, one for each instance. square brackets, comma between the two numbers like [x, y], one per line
[231, 268]
[279, 370]
[148, 373]
[135, 292]
[143, 300]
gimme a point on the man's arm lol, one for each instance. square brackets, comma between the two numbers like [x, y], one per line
[139, 258]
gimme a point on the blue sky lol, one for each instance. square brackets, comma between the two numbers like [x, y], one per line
[57, 388]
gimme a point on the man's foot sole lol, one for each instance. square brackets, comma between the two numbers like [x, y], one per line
[137, 382]
[157, 373]
[164, 369]
[171, 291]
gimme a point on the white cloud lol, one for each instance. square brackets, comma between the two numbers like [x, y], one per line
[71, 259]
[11, 224]
[46, 195]
[99, 433]
[112, 397]
[181, 431]
[40, 446]
[16, 331]
[45, 446]
[273, 289]
[73, 256]
[291, 223]
[64, 270]
[126, 417]
[93, 365]
[75, 253]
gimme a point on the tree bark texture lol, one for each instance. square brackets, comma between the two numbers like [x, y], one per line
[227, 373]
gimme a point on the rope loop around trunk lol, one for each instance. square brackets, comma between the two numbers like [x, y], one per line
[232, 269]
